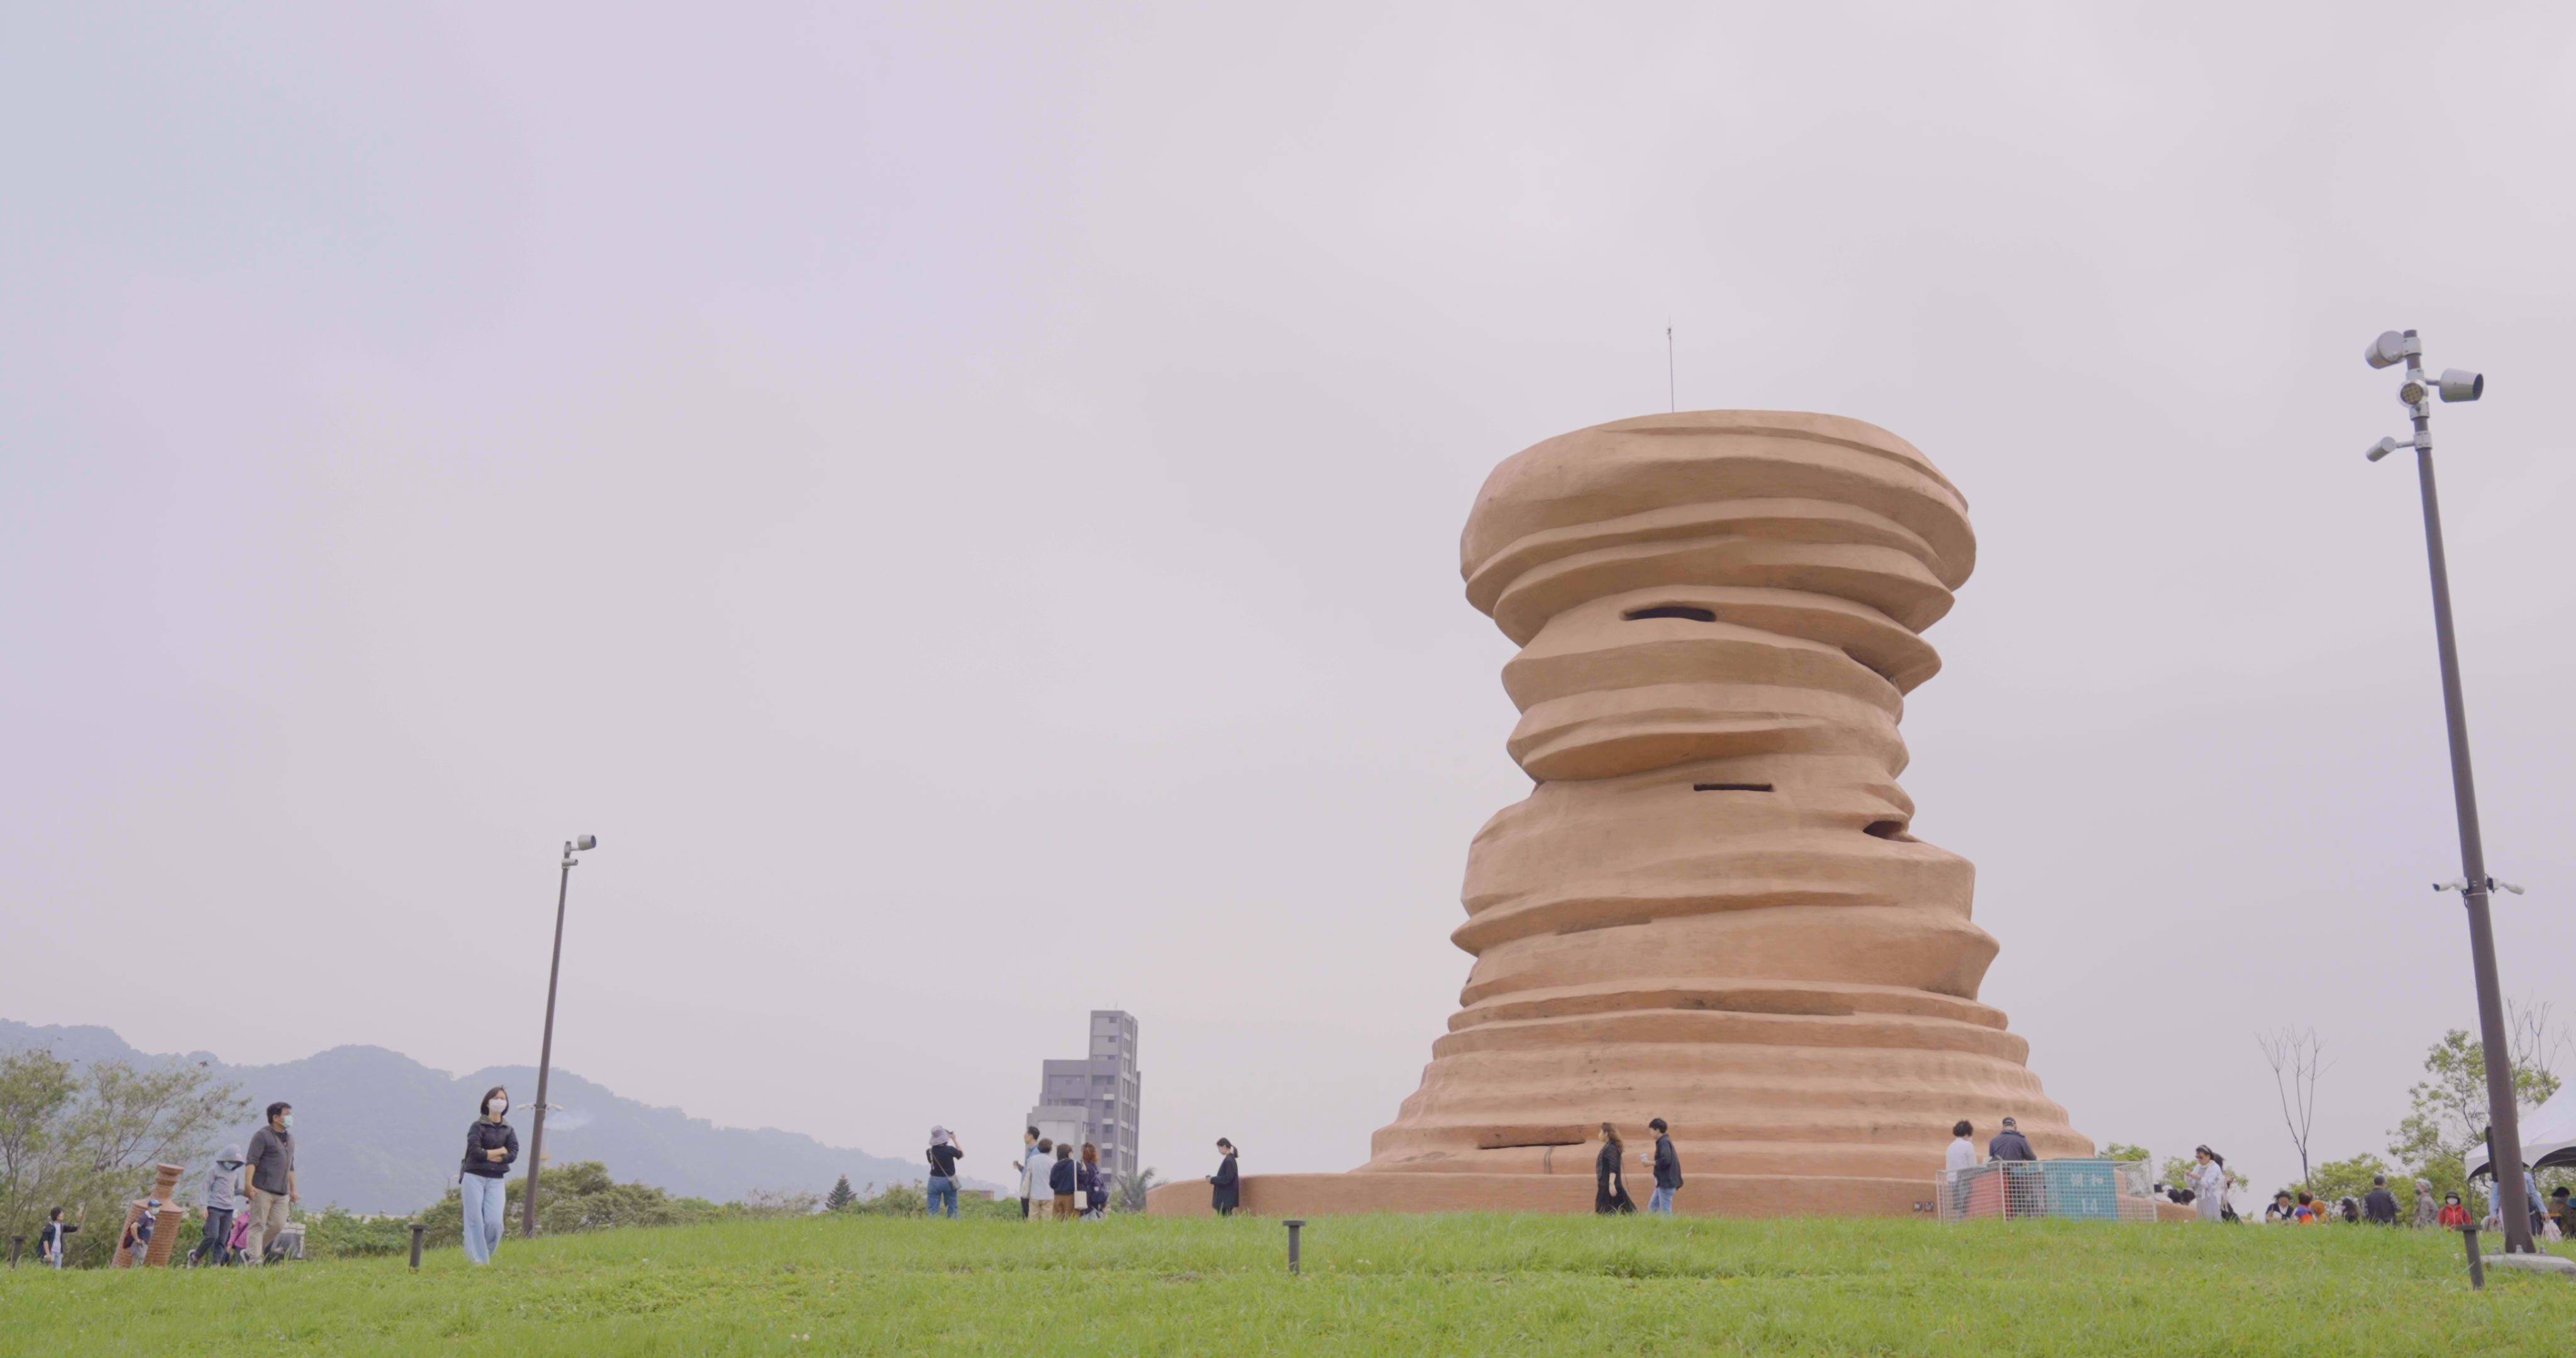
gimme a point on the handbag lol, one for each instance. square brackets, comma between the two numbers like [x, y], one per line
[1081, 1199]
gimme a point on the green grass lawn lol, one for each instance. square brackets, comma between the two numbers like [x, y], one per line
[1373, 1285]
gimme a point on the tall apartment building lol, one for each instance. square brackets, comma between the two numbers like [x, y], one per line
[1097, 1099]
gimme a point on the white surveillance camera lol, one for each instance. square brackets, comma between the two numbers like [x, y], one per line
[2460, 385]
[2386, 351]
[586, 842]
[2383, 448]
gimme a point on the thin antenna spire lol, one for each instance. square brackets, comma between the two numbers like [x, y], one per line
[1671, 402]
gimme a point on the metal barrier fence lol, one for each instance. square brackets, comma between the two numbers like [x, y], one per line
[2083, 1190]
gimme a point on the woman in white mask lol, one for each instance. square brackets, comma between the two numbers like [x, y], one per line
[490, 1148]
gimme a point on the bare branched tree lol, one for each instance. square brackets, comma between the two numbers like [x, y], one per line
[2297, 1058]
[2538, 1044]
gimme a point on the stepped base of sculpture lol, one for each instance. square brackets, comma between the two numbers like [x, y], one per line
[1728, 1195]
[1734, 1195]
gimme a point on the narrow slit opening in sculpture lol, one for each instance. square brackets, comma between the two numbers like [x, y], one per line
[1737, 787]
[1888, 829]
[1670, 611]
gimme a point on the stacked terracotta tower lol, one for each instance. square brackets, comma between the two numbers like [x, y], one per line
[1712, 907]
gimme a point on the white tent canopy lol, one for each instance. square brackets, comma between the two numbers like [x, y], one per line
[2548, 1135]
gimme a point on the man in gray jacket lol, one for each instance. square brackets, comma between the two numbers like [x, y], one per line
[272, 1179]
[222, 1200]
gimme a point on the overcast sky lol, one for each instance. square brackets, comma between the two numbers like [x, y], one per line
[963, 502]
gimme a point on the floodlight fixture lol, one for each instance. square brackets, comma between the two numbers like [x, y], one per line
[2461, 385]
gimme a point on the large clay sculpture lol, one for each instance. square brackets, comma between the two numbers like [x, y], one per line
[1711, 908]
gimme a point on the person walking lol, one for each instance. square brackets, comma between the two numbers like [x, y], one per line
[1610, 1176]
[273, 1189]
[1095, 1190]
[1064, 1180]
[942, 1186]
[1668, 1169]
[2209, 1183]
[2426, 1210]
[1226, 1185]
[2379, 1206]
[223, 1199]
[137, 1240]
[1030, 1149]
[491, 1147]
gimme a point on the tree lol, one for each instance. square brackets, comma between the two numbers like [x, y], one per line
[2122, 1150]
[840, 1197]
[2297, 1059]
[2336, 1180]
[2447, 1111]
[1131, 1194]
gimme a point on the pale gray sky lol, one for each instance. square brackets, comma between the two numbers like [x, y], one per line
[932, 486]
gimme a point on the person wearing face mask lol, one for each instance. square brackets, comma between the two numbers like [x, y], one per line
[271, 1161]
[222, 1200]
[482, 1182]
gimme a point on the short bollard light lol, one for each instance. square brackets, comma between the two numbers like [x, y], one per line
[417, 1231]
[2477, 1266]
[1293, 1228]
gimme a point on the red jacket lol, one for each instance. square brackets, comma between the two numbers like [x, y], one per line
[2454, 1216]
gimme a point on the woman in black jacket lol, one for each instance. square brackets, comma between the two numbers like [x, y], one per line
[1610, 1175]
[490, 1149]
[1228, 1181]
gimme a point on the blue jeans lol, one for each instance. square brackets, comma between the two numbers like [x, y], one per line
[1662, 1201]
[485, 1209]
[943, 1189]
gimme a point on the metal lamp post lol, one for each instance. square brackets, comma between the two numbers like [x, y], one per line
[546, 1053]
[2504, 1158]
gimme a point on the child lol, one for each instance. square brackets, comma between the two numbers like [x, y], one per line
[137, 1239]
[2454, 1217]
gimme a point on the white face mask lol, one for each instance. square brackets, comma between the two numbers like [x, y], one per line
[286, 1120]
[496, 1107]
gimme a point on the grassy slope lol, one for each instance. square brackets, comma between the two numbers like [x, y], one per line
[1404, 1285]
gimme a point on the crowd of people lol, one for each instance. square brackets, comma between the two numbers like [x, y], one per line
[2553, 1216]
[245, 1202]
[248, 1192]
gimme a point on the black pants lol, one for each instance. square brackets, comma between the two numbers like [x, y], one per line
[219, 1228]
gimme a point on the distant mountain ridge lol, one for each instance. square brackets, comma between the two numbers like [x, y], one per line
[379, 1132]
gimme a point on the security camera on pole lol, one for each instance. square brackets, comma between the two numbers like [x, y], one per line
[2475, 886]
[546, 1053]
